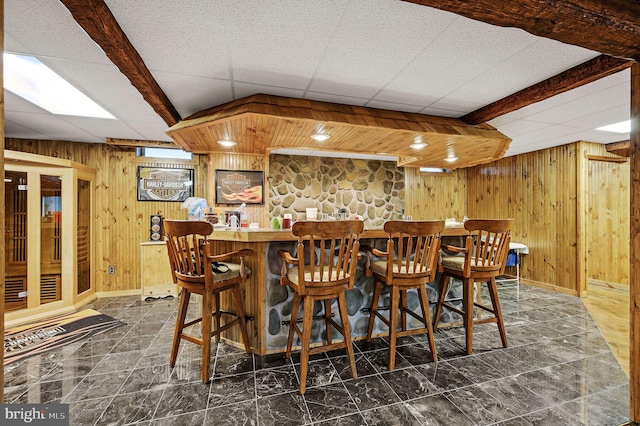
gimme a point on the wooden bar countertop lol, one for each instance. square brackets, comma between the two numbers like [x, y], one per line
[267, 235]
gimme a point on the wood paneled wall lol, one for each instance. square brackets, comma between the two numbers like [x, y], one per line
[435, 196]
[122, 222]
[607, 215]
[546, 192]
[539, 190]
[258, 213]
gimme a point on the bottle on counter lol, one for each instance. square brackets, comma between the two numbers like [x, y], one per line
[275, 223]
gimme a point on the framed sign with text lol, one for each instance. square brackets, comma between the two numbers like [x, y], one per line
[164, 184]
[239, 186]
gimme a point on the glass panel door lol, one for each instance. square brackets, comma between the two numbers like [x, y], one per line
[50, 238]
[84, 236]
[15, 242]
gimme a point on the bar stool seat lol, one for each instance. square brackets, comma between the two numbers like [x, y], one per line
[197, 271]
[325, 267]
[483, 259]
[410, 262]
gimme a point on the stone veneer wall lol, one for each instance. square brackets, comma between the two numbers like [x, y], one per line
[371, 189]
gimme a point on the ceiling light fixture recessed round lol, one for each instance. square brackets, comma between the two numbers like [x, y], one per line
[418, 145]
[451, 159]
[226, 143]
[320, 137]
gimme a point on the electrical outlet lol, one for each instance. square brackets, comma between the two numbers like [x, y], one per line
[111, 270]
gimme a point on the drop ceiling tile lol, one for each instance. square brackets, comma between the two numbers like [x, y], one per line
[103, 128]
[363, 54]
[107, 86]
[279, 43]
[520, 127]
[150, 131]
[190, 94]
[441, 112]
[457, 56]
[15, 130]
[242, 90]
[601, 118]
[51, 126]
[586, 105]
[394, 107]
[521, 70]
[46, 28]
[13, 102]
[192, 39]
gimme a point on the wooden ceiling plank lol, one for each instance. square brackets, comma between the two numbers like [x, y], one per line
[587, 72]
[611, 27]
[99, 23]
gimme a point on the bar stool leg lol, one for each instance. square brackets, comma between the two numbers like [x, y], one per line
[295, 308]
[393, 325]
[467, 307]
[185, 295]
[306, 341]
[374, 309]
[206, 335]
[237, 301]
[443, 285]
[426, 316]
[346, 332]
[327, 324]
[495, 301]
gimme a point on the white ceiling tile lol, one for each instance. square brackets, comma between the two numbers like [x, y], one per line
[192, 38]
[364, 52]
[457, 56]
[394, 107]
[190, 94]
[517, 128]
[601, 118]
[51, 126]
[441, 112]
[21, 132]
[279, 43]
[46, 28]
[107, 86]
[243, 90]
[150, 131]
[586, 105]
[16, 103]
[519, 70]
[336, 99]
[103, 128]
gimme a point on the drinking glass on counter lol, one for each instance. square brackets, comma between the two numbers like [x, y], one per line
[312, 213]
[286, 221]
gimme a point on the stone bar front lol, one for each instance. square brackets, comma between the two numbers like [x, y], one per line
[269, 303]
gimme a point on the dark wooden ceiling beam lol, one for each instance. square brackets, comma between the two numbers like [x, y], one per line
[99, 23]
[587, 72]
[611, 27]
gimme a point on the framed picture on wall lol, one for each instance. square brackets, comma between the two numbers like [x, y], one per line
[239, 186]
[164, 184]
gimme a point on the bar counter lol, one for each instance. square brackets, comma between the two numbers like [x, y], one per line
[269, 304]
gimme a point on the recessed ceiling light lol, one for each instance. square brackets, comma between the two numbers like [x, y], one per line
[451, 159]
[418, 145]
[226, 143]
[621, 127]
[32, 80]
[320, 137]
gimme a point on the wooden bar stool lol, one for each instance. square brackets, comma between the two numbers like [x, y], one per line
[485, 256]
[410, 262]
[325, 267]
[197, 271]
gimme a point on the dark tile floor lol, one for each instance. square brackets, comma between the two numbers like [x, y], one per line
[557, 370]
